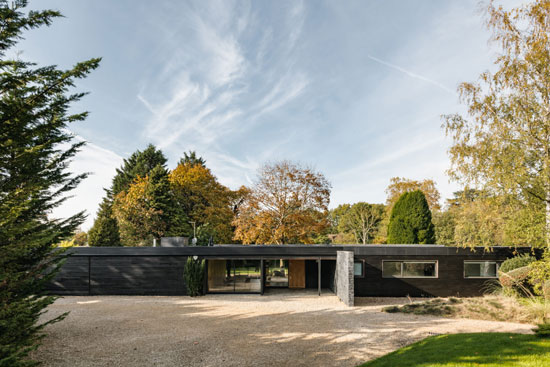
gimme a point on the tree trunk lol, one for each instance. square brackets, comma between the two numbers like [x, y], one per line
[547, 232]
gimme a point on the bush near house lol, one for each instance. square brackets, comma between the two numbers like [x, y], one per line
[194, 276]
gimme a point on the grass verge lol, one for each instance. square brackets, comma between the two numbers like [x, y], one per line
[468, 350]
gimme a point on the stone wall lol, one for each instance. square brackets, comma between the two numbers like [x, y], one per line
[344, 277]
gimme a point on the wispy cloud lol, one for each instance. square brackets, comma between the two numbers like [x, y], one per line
[411, 74]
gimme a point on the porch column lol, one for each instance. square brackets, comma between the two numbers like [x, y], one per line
[319, 275]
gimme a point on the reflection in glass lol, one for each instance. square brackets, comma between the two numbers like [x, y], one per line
[480, 269]
[418, 269]
[220, 277]
[391, 269]
[276, 273]
[247, 275]
[230, 276]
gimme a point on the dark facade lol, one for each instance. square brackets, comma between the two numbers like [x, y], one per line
[159, 271]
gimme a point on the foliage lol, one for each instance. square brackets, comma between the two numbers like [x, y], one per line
[362, 220]
[411, 220]
[66, 243]
[192, 159]
[542, 330]
[80, 238]
[203, 200]
[143, 211]
[487, 349]
[516, 262]
[35, 150]
[504, 143]
[140, 164]
[540, 272]
[436, 307]
[444, 224]
[480, 223]
[398, 186]
[194, 277]
[105, 230]
[288, 204]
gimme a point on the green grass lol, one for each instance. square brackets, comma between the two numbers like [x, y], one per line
[468, 350]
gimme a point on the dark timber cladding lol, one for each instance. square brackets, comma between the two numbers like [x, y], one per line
[159, 270]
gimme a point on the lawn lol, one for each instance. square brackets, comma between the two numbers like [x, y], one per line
[465, 350]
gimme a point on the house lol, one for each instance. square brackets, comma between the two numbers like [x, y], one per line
[347, 270]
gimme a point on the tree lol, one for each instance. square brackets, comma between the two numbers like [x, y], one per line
[362, 220]
[35, 150]
[203, 200]
[80, 238]
[398, 186]
[504, 143]
[411, 220]
[140, 164]
[105, 231]
[288, 204]
[192, 159]
[142, 211]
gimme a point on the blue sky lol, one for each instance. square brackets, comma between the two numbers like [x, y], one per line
[354, 89]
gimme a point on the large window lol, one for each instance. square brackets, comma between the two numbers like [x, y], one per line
[228, 276]
[480, 269]
[409, 269]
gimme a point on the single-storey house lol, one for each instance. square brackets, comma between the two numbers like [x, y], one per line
[347, 270]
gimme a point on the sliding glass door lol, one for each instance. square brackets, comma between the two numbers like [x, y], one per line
[234, 276]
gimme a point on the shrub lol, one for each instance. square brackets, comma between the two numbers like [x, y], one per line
[516, 262]
[542, 330]
[194, 276]
[517, 279]
[540, 273]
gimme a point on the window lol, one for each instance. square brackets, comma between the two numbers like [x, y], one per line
[409, 269]
[358, 268]
[480, 269]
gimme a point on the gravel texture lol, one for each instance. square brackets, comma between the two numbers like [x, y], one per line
[290, 328]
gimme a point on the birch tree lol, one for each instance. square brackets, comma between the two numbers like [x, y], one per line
[503, 144]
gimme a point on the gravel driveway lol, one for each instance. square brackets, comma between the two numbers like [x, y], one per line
[291, 328]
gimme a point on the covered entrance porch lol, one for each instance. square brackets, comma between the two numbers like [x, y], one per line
[258, 275]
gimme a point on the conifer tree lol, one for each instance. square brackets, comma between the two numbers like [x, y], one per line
[35, 149]
[411, 220]
[104, 232]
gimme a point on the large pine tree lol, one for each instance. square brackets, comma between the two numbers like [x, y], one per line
[35, 149]
[105, 231]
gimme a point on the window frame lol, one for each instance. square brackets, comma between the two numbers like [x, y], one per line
[362, 268]
[436, 262]
[479, 262]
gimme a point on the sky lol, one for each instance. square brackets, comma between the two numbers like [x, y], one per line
[354, 89]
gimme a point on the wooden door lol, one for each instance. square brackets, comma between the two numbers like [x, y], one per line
[296, 274]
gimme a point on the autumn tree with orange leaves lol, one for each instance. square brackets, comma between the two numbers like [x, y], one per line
[288, 204]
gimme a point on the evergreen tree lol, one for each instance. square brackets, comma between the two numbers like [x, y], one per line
[192, 159]
[35, 149]
[104, 232]
[411, 220]
[140, 164]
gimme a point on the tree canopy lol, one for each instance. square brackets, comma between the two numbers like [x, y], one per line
[503, 144]
[288, 204]
[36, 147]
